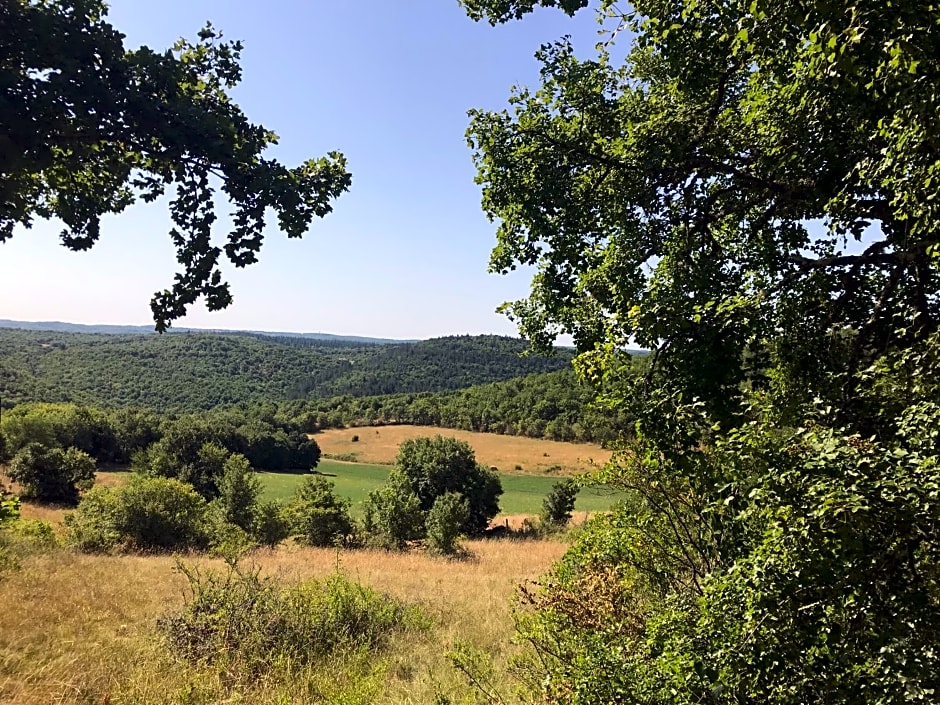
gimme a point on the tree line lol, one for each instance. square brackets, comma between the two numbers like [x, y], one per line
[555, 405]
[186, 372]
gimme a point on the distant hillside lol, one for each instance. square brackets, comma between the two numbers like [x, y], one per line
[191, 371]
[61, 327]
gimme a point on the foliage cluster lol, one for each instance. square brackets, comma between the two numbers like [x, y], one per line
[51, 474]
[437, 491]
[750, 192]
[91, 127]
[245, 622]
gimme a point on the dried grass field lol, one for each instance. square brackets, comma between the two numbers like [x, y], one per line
[379, 445]
[78, 629]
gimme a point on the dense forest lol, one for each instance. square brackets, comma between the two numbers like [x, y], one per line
[553, 405]
[194, 371]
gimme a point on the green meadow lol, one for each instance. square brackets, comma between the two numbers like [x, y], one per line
[522, 494]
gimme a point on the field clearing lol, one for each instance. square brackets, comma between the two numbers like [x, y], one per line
[379, 445]
[522, 494]
[82, 629]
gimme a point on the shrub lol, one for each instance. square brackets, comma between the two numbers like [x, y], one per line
[147, 513]
[239, 489]
[271, 524]
[317, 516]
[177, 456]
[247, 622]
[559, 504]
[51, 474]
[393, 515]
[9, 507]
[448, 514]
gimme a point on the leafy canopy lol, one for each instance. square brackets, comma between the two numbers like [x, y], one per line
[753, 175]
[90, 127]
[752, 194]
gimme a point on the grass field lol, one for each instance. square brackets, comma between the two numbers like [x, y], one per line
[522, 494]
[379, 445]
[78, 629]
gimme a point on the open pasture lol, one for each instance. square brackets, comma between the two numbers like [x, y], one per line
[379, 445]
[522, 494]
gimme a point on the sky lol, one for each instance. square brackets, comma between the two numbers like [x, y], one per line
[405, 252]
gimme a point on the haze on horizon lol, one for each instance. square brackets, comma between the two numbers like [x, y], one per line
[405, 253]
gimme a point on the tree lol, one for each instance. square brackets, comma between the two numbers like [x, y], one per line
[444, 523]
[51, 474]
[318, 516]
[559, 504]
[435, 466]
[239, 490]
[90, 127]
[393, 514]
[752, 194]
[754, 178]
[145, 514]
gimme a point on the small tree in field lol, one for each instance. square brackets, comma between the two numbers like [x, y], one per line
[239, 489]
[393, 515]
[52, 474]
[448, 514]
[435, 466]
[318, 517]
[559, 504]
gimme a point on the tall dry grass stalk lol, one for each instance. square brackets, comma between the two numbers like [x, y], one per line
[82, 629]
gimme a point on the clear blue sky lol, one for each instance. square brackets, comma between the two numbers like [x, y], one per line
[388, 83]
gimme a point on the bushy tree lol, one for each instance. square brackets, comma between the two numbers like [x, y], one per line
[51, 474]
[90, 127]
[272, 523]
[317, 516]
[62, 426]
[145, 514]
[393, 514]
[444, 523]
[189, 453]
[559, 504]
[239, 490]
[435, 466]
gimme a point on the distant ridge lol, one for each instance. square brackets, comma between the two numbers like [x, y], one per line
[105, 329]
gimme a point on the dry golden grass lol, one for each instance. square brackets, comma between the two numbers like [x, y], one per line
[380, 445]
[81, 629]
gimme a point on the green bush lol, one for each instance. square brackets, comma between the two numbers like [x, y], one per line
[393, 515]
[146, 514]
[317, 516]
[184, 456]
[444, 523]
[239, 490]
[559, 504]
[247, 622]
[271, 524]
[50, 474]
[9, 507]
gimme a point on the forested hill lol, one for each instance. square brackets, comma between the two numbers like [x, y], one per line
[199, 371]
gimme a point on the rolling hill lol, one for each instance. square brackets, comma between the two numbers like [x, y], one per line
[190, 371]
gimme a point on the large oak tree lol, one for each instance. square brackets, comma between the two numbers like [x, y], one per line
[752, 192]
